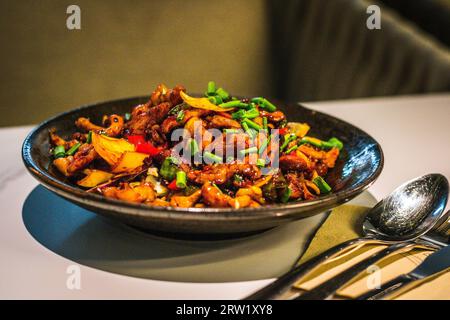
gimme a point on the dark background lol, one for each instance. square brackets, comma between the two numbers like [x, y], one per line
[302, 50]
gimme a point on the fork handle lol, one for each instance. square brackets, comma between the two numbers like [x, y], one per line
[329, 288]
[387, 288]
[276, 289]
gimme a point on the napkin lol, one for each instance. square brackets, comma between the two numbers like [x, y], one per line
[345, 223]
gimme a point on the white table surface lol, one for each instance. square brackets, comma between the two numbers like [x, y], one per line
[413, 131]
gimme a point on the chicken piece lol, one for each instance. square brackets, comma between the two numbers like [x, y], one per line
[221, 173]
[254, 204]
[311, 152]
[62, 164]
[273, 117]
[185, 201]
[213, 197]
[255, 193]
[71, 164]
[164, 94]
[79, 137]
[146, 191]
[295, 184]
[293, 163]
[125, 194]
[84, 156]
[159, 203]
[307, 195]
[116, 124]
[331, 157]
[240, 202]
[86, 125]
[140, 193]
[169, 124]
[218, 174]
[223, 122]
[321, 168]
[144, 117]
[56, 140]
[155, 135]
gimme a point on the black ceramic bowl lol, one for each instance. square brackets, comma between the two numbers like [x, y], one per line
[358, 166]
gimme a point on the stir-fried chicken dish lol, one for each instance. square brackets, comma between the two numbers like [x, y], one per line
[183, 151]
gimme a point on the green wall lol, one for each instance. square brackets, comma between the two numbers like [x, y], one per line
[125, 48]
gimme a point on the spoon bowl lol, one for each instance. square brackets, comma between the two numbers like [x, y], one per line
[409, 211]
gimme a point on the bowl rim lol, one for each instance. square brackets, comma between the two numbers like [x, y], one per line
[270, 210]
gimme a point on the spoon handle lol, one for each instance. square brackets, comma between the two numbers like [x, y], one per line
[329, 288]
[276, 289]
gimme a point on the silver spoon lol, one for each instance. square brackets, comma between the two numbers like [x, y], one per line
[406, 214]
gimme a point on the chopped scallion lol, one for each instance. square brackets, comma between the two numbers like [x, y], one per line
[287, 139]
[265, 124]
[59, 152]
[74, 149]
[263, 146]
[264, 104]
[260, 162]
[223, 94]
[292, 149]
[235, 104]
[180, 116]
[229, 131]
[89, 137]
[252, 124]
[248, 151]
[181, 179]
[335, 142]
[215, 99]
[194, 147]
[211, 88]
[286, 195]
[323, 186]
[212, 157]
[243, 114]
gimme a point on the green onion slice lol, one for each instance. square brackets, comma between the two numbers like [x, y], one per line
[89, 137]
[59, 152]
[181, 179]
[74, 149]
[248, 151]
[323, 186]
[286, 195]
[211, 88]
[212, 157]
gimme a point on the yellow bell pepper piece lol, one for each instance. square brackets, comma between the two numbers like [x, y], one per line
[130, 161]
[94, 177]
[299, 129]
[111, 149]
[202, 103]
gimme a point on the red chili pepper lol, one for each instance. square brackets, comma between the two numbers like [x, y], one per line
[283, 131]
[143, 146]
[173, 185]
[147, 148]
[136, 139]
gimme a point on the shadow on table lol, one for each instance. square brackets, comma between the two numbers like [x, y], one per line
[88, 239]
